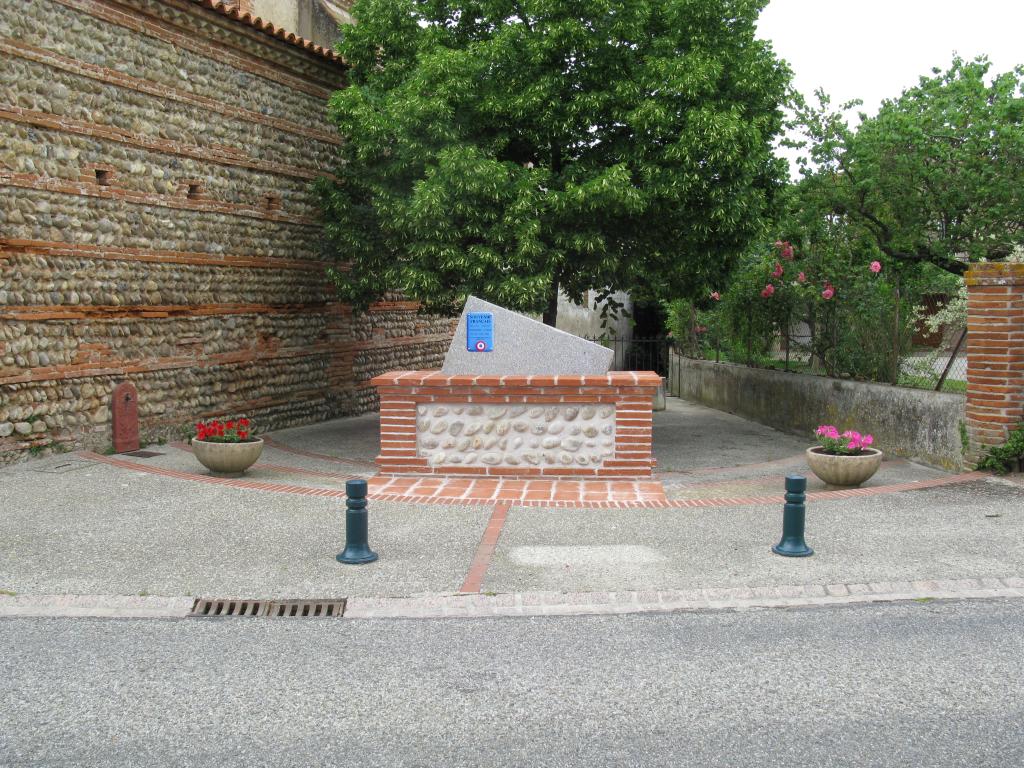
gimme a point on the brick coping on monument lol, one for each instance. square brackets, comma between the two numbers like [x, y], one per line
[437, 378]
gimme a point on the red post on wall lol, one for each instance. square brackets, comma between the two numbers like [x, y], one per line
[995, 354]
[124, 406]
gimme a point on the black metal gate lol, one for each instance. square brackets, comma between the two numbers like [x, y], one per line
[637, 354]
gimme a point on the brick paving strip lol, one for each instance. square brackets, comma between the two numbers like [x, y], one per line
[551, 603]
[281, 467]
[576, 494]
[272, 443]
[254, 485]
[798, 457]
[603, 494]
[485, 551]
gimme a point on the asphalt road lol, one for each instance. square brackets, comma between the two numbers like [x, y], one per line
[909, 684]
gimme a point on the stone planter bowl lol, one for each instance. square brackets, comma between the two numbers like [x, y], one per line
[227, 459]
[844, 471]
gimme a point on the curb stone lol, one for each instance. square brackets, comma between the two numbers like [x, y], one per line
[666, 601]
[474, 605]
[101, 606]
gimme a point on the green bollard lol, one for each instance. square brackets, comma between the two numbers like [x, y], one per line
[357, 550]
[792, 543]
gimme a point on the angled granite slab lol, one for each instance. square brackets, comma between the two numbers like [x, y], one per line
[523, 346]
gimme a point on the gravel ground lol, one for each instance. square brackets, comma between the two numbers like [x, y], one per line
[122, 532]
[963, 531]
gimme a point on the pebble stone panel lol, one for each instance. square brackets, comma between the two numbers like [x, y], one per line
[457, 434]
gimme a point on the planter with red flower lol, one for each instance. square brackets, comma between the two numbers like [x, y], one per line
[844, 460]
[226, 448]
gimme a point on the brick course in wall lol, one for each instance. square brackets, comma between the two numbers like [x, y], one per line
[995, 354]
[157, 225]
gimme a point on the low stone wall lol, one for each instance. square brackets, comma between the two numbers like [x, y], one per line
[516, 426]
[917, 424]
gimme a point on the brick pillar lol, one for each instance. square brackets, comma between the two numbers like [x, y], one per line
[995, 354]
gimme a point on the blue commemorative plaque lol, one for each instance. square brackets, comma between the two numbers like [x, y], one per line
[480, 332]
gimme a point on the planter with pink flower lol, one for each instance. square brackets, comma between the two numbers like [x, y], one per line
[226, 448]
[844, 460]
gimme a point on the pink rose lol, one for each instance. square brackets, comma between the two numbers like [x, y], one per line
[777, 272]
[787, 251]
[801, 278]
[768, 290]
[829, 292]
[876, 267]
[716, 295]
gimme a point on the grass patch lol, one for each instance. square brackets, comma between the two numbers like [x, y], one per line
[8, 592]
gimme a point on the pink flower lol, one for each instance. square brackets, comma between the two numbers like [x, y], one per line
[801, 278]
[768, 290]
[850, 442]
[777, 272]
[829, 292]
[779, 244]
[716, 295]
[787, 252]
[876, 267]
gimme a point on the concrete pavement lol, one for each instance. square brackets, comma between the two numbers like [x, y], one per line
[73, 526]
[929, 685]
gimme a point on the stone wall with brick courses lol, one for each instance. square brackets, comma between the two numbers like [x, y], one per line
[157, 225]
[995, 354]
[522, 402]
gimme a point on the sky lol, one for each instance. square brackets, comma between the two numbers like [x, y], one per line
[874, 49]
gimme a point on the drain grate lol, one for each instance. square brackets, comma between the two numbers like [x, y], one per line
[270, 609]
[142, 454]
[305, 609]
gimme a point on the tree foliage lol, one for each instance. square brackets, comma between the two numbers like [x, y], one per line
[507, 148]
[937, 176]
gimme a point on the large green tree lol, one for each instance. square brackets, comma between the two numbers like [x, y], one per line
[937, 176]
[509, 148]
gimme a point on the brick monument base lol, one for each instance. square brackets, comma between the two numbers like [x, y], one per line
[593, 426]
